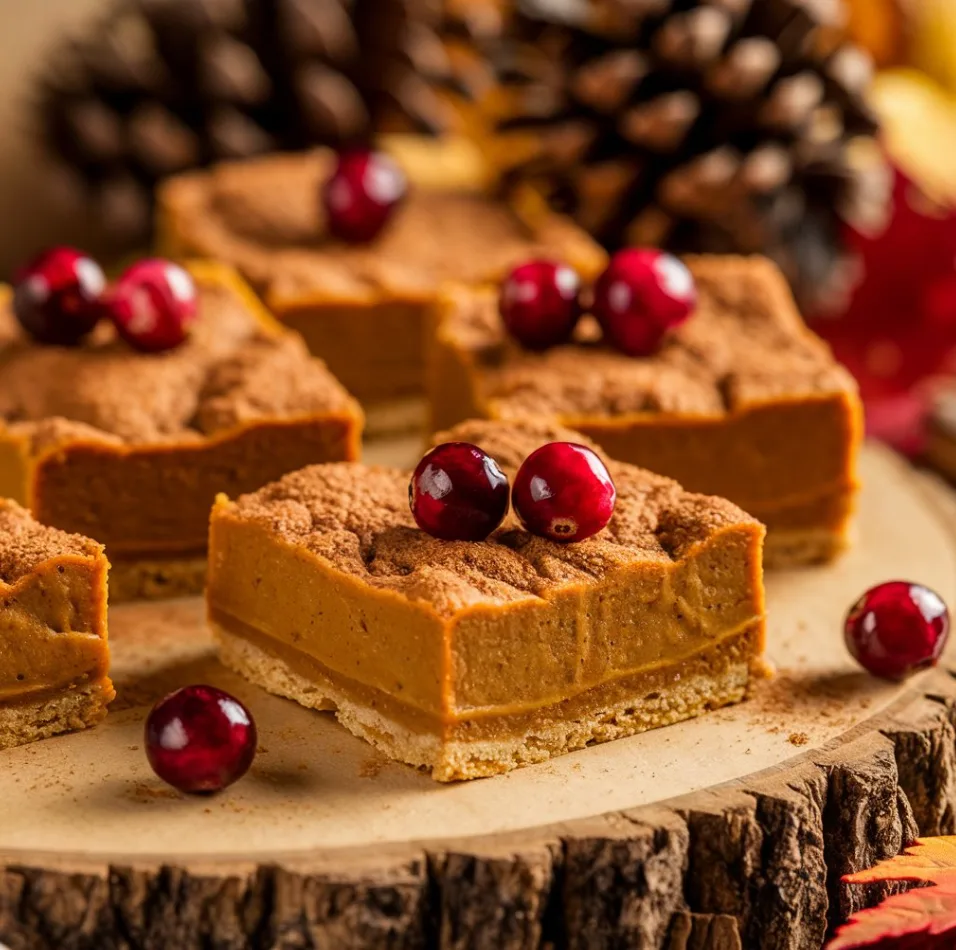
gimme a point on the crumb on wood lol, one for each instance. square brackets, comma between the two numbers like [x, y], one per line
[371, 768]
[798, 738]
[144, 794]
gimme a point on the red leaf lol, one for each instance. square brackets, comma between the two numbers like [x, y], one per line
[920, 919]
[897, 331]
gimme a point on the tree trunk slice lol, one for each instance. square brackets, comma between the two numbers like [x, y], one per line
[730, 831]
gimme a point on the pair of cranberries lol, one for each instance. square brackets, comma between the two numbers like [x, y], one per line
[640, 297]
[62, 295]
[562, 491]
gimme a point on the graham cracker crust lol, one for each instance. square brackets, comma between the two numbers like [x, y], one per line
[785, 549]
[548, 732]
[157, 579]
[77, 708]
[395, 417]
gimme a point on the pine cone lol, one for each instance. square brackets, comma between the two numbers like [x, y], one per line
[167, 85]
[427, 61]
[471, 31]
[699, 125]
[405, 64]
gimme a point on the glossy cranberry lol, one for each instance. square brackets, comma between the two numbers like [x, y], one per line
[200, 739]
[153, 305]
[897, 628]
[643, 294]
[56, 294]
[564, 492]
[539, 303]
[458, 493]
[362, 194]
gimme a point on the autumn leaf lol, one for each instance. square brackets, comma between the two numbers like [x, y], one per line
[920, 919]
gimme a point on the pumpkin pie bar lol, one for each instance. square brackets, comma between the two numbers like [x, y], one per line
[54, 655]
[132, 448]
[741, 401]
[361, 307]
[472, 658]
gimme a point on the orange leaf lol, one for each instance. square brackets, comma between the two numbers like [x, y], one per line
[921, 919]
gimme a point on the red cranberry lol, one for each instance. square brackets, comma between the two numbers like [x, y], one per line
[200, 739]
[153, 305]
[458, 493]
[362, 194]
[539, 303]
[564, 492]
[897, 628]
[643, 294]
[56, 294]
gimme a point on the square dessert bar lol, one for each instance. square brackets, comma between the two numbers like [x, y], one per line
[54, 656]
[361, 308]
[741, 401]
[132, 448]
[472, 658]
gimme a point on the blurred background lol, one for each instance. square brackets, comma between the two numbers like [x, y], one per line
[35, 214]
[101, 98]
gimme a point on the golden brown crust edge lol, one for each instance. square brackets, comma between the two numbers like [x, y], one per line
[70, 710]
[702, 687]
[157, 578]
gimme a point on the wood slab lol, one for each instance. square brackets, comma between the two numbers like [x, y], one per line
[728, 831]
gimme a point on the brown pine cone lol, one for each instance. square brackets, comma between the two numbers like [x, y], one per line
[167, 85]
[699, 125]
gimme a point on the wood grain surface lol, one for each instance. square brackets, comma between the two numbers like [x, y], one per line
[732, 830]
